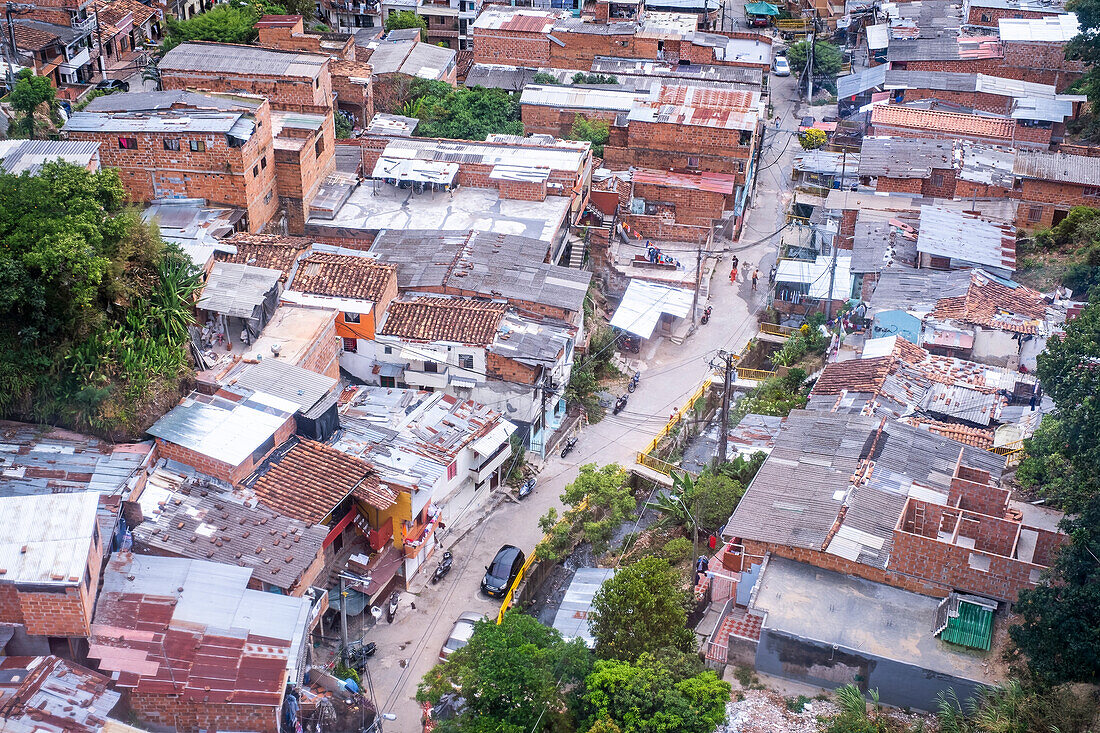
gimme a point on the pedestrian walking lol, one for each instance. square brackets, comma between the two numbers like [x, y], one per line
[755, 275]
[733, 270]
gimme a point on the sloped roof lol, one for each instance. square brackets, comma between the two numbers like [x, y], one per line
[310, 479]
[995, 303]
[343, 276]
[900, 115]
[461, 320]
[236, 59]
[1078, 169]
[269, 251]
[967, 238]
[53, 695]
[46, 538]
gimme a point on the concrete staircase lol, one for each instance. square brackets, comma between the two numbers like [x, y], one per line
[739, 622]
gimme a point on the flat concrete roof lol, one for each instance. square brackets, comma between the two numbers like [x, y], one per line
[377, 205]
[856, 614]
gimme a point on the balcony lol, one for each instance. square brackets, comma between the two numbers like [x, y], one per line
[436, 380]
[86, 25]
[492, 463]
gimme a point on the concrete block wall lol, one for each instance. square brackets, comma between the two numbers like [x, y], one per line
[192, 716]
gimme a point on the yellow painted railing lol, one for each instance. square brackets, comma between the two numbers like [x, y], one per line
[509, 597]
[1014, 457]
[776, 330]
[656, 464]
[758, 375]
[1009, 448]
[793, 24]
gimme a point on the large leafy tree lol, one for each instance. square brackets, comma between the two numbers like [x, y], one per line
[93, 307]
[827, 58]
[463, 113]
[1086, 45]
[643, 608]
[224, 23]
[1063, 457]
[648, 696]
[30, 92]
[599, 501]
[407, 19]
[1059, 627]
[512, 677]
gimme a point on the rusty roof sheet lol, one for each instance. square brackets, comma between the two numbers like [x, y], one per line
[191, 516]
[1001, 128]
[712, 182]
[114, 13]
[306, 480]
[52, 695]
[1077, 169]
[945, 48]
[995, 303]
[966, 238]
[460, 320]
[31, 38]
[344, 276]
[270, 251]
[177, 626]
[518, 20]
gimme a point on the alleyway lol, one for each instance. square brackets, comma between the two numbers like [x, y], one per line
[409, 647]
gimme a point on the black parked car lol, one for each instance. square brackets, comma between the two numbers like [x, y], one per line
[502, 571]
[113, 85]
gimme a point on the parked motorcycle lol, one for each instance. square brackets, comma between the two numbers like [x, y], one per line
[358, 655]
[630, 344]
[569, 446]
[706, 315]
[442, 568]
[633, 383]
[620, 405]
[527, 487]
[391, 610]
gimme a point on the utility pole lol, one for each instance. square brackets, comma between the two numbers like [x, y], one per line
[832, 265]
[698, 277]
[99, 36]
[545, 383]
[725, 362]
[343, 618]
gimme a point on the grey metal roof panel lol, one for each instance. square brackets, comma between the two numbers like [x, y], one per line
[153, 101]
[29, 155]
[181, 121]
[907, 288]
[237, 290]
[966, 238]
[1079, 169]
[862, 81]
[239, 59]
[286, 380]
[897, 157]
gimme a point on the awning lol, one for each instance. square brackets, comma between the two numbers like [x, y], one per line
[761, 8]
[422, 171]
[487, 444]
[643, 304]
[390, 370]
[463, 382]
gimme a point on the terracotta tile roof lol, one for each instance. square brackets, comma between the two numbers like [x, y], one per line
[977, 437]
[28, 38]
[855, 375]
[309, 480]
[991, 303]
[707, 97]
[444, 319]
[343, 276]
[938, 121]
[265, 250]
[114, 13]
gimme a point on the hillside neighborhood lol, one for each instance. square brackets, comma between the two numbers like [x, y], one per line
[595, 366]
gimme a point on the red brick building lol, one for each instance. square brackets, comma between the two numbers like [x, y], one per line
[230, 661]
[54, 553]
[684, 207]
[1035, 50]
[221, 437]
[688, 129]
[185, 145]
[552, 109]
[988, 12]
[936, 537]
[1050, 184]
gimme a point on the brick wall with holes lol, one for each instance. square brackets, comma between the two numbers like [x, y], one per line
[989, 16]
[192, 716]
[994, 103]
[1041, 62]
[295, 38]
[660, 227]
[219, 173]
[694, 206]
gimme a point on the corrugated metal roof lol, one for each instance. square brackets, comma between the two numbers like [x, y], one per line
[571, 618]
[816, 275]
[1056, 29]
[221, 429]
[902, 157]
[878, 36]
[1043, 110]
[968, 623]
[239, 59]
[52, 695]
[1078, 169]
[862, 81]
[648, 68]
[285, 380]
[18, 156]
[712, 182]
[966, 238]
[570, 97]
[173, 121]
[237, 290]
[526, 20]
[945, 48]
[46, 538]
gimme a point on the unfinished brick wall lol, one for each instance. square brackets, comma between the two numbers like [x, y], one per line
[322, 357]
[663, 227]
[287, 35]
[510, 47]
[899, 185]
[300, 90]
[192, 716]
[1042, 62]
[56, 614]
[509, 370]
[990, 16]
[994, 103]
[300, 169]
[522, 190]
[220, 174]
[558, 121]
[353, 83]
[1050, 196]
[970, 190]
[693, 206]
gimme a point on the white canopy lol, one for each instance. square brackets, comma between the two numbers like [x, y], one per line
[645, 301]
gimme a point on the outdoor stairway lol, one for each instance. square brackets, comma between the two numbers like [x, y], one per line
[740, 622]
[576, 252]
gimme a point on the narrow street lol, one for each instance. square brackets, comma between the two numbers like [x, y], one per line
[409, 647]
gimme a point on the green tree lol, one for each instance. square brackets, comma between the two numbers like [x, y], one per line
[775, 396]
[1059, 627]
[648, 697]
[224, 23]
[1063, 457]
[93, 306]
[513, 677]
[541, 77]
[463, 113]
[599, 501]
[712, 498]
[812, 139]
[343, 127]
[29, 94]
[594, 131]
[643, 608]
[407, 19]
[827, 58]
